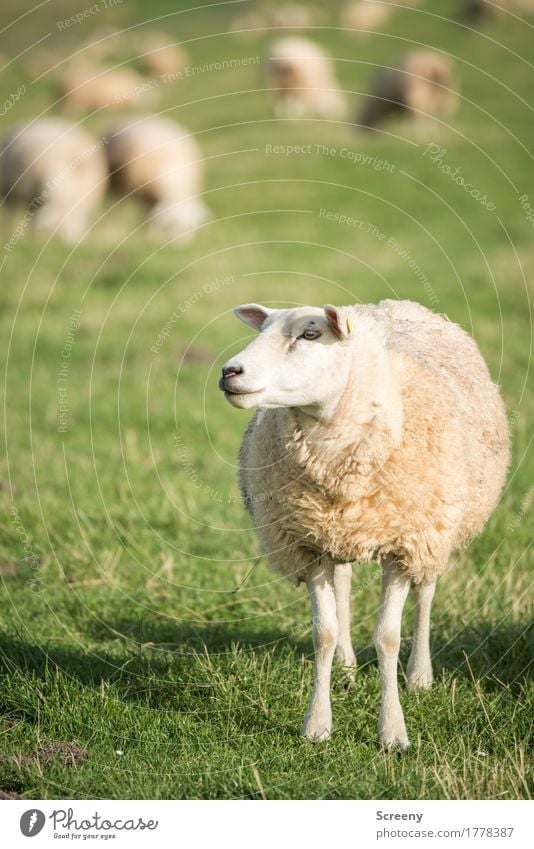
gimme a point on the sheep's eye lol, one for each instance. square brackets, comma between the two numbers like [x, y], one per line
[310, 333]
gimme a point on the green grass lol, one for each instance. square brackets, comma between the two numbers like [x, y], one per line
[122, 632]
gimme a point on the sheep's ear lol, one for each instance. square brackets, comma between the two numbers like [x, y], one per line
[253, 314]
[338, 320]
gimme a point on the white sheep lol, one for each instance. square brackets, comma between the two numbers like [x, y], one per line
[84, 88]
[58, 171]
[302, 81]
[159, 162]
[421, 85]
[379, 436]
[364, 15]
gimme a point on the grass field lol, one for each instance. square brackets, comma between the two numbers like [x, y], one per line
[131, 666]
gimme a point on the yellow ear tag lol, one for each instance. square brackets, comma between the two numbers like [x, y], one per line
[349, 326]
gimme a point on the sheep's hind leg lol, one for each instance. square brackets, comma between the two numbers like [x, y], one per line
[320, 581]
[342, 587]
[395, 586]
[419, 672]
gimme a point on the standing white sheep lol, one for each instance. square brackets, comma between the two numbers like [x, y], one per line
[302, 80]
[159, 162]
[420, 85]
[379, 436]
[58, 171]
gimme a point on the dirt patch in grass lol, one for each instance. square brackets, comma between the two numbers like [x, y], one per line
[70, 754]
[9, 794]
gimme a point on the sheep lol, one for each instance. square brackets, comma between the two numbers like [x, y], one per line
[378, 436]
[85, 88]
[302, 80]
[420, 85]
[58, 170]
[159, 162]
[365, 15]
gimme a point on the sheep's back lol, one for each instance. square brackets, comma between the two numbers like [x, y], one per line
[452, 356]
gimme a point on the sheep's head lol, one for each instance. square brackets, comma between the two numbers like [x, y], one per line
[299, 359]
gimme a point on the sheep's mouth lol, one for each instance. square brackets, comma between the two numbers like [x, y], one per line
[240, 393]
[237, 392]
[242, 399]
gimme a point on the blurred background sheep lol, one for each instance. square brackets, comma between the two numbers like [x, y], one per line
[57, 171]
[159, 163]
[421, 86]
[84, 89]
[363, 15]
[302, 81]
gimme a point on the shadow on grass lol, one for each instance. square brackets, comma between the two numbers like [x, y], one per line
[493, 654]
[184, 667]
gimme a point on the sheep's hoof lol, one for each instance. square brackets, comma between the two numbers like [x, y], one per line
[346, 658]
[392, 736]
[391, 743]
[317, 728]
[420, 679]
[348, 664]
[348, 677]
[317, 736]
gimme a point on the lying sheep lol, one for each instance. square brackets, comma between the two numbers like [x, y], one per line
[420, 85]
[159, 162]
[302, 80]
[379, 436]
[86, 88]
[58, 171]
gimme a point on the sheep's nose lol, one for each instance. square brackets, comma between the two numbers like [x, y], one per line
[231, 371]
[227, 373]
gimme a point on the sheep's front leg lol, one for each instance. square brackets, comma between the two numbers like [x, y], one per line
[342, 588]
[320, 581]
[419, 672]
[395, 586]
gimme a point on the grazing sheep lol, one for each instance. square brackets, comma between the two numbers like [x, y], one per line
[159, 162]
[421, 85]
[379, 436]
[302, 80]
[58, 171]
[84, 88]
[364, 15]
